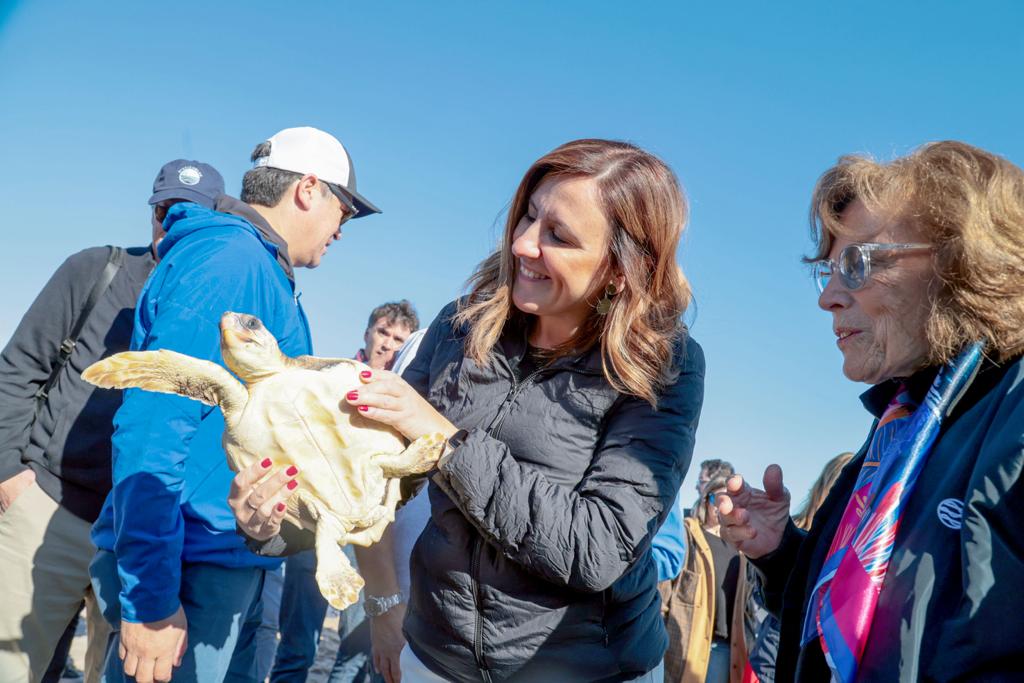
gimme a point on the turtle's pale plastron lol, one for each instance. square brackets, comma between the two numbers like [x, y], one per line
[289, 410]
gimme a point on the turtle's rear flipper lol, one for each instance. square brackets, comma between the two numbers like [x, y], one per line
[421, 456]
[170, 373]
[338, 581]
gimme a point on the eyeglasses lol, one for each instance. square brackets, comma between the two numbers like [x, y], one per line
[854, 264]
[350, 208]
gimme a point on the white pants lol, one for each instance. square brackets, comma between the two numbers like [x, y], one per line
[415, 671]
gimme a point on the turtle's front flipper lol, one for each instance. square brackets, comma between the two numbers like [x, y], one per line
[170, 373]
[421, 456]
[338, 581]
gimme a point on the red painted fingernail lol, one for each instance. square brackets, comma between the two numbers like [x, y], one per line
[266, 463]
[366, 374]
[292, 471]
[352, 395]
[280, 507]
[292, 484]
[363, 409]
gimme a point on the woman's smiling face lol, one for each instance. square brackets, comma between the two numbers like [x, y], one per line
[561, 254]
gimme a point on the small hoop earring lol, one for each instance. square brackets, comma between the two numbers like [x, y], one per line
[604, 304]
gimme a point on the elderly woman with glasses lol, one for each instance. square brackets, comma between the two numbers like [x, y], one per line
[912, 567]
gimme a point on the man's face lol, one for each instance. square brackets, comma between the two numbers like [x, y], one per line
[383, 338]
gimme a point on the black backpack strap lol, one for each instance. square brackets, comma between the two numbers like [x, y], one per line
[114, 261]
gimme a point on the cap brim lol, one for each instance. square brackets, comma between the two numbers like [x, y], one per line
[361, 203]
[185, 193]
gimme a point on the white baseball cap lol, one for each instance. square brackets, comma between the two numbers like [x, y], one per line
[311, 151]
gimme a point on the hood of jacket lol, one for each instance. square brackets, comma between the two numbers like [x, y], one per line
[187, 218]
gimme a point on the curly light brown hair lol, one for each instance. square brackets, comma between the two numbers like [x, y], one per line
[967, 203]
[645, 206]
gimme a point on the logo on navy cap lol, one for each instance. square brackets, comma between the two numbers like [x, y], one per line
[189, 175]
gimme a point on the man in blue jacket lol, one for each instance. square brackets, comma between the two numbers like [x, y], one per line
[55, 434]
[170, 568]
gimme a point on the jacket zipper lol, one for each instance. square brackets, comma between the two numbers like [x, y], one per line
[492, 430]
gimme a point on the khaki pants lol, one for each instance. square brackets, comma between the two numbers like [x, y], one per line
[44, 575]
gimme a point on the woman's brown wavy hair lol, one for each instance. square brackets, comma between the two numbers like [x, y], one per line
[969, 204]
[645, 206]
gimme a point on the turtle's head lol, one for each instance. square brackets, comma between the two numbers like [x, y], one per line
[248, 347]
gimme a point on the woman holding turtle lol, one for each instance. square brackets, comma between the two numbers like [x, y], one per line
[569, 391]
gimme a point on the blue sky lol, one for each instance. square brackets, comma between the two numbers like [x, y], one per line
[444, 105]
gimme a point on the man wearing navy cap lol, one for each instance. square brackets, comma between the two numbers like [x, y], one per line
[55, 433]
[172, 576]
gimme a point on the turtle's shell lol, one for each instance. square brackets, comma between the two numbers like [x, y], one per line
[297, 417]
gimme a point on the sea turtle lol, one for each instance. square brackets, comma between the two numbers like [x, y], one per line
[289, 410]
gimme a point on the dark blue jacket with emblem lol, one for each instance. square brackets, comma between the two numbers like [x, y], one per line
[951, 600]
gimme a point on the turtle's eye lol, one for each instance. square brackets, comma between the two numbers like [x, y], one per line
[252, 324]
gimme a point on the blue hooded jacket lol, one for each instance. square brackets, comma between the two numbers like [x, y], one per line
[171, 479]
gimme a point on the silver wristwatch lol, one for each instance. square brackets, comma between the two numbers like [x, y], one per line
[375, 606]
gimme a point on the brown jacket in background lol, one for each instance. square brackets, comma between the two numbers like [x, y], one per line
[688, 606]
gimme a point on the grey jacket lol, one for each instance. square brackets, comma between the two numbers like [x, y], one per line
[536, 564]
[951, 603]
[68, 445]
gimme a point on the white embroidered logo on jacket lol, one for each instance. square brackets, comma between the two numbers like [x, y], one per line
[951, 513]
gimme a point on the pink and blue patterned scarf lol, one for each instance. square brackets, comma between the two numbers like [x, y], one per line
[845, 596]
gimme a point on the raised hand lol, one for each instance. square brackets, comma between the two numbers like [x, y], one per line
[386, 397]
[259, 507]
[753, 519]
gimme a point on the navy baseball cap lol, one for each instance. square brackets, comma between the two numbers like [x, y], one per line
[192, 181]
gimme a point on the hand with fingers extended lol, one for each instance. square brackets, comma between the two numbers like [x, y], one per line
[151, 650]
[387, 398]
[753, 519]
[258, 500]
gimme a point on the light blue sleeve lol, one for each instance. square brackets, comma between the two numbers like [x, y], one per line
[153, 431]
[669, 544]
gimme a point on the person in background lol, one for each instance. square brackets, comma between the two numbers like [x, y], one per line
[569, 391]
[302, 606]
[764, 640]
[703, 606]
[55, 435]
[387, 329]
[172, 575]
[669, 544]
[709, 469]
[912, 566]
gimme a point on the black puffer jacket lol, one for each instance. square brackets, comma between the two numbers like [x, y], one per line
[536, 562]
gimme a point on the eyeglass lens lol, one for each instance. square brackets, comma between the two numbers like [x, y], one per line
[851, 266]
